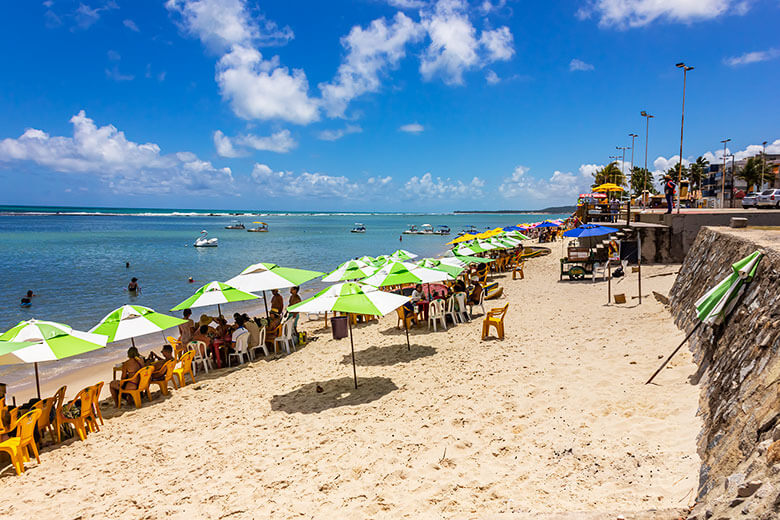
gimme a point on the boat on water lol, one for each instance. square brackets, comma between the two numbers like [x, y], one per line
[236, 224]
[468, 230]
[359, 228]
[261, 228]
[204, 241]
[426, 229]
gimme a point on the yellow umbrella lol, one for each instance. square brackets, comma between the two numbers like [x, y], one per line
[464, 238]
[609, 186]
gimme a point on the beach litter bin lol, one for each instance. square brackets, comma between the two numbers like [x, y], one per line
[338, 325]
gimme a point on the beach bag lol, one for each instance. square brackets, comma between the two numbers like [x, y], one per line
[617, 273]
[301, 338]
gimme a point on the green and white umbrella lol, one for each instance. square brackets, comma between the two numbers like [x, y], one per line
[349, 270]
[517, 235]
[452, 269]
[392, 273]
[40, 341]
[468, 249]
[713, 307]
[265, 276]
[131, 321]
[402, 255]
[351, 297]
[368, 260]
[214, 293]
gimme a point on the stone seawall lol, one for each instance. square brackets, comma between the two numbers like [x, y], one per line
[739, 374]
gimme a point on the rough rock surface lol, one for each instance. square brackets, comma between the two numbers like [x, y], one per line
[739, 373]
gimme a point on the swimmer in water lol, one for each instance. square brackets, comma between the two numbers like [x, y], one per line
[133, 286]
[27, 299]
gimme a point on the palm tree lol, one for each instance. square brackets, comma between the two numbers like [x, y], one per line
[751, 172]
[641, 177]
[609, 173]
[696, 172]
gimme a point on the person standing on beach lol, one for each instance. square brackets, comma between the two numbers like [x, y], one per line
[669, 188]
[186, 330]
[277, 301]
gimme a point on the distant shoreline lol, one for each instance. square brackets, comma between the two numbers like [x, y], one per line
[546, 211]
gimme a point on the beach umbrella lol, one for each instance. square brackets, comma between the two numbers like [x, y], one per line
[452, 256]
[547, 224]
[131, 321]
[713, 307]
[351, 297]
[45, 341]
[349, 270]
[214, 293]
[368, 260]
[266, 276]
[589, 230]
[439, 265]
[390, 274]
[463, 238]
[402, 255]
[381, 260]
[517, 235]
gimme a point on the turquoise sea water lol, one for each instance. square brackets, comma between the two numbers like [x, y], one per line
[75, 260]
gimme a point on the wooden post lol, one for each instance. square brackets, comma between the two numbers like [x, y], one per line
[352, 346]
[609, 281]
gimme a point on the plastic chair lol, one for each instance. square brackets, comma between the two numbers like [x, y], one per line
[410, 319]
[436, 313]
[518, 271]
[44, 421]
[449, 310]
[481, 304]
[163, 376]
[18, 447]
[260, 345]
[285, 338]
[85, 421]
[242, 344]
[175, 343]
[183, 368]
[59, 400]
[494, 318]
[13, 419]
[460, 306]
[201, 355]
[141, 379]
[96, 401]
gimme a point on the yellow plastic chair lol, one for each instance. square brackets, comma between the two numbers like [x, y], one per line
[85, 421]
[184, 368]
[44, 421]
[494, 318]
[163, 376]
[175, 343]
[98, 388]
[12, 418]
[141, 379]
[412, 318]
[59, 400]
[18, 447]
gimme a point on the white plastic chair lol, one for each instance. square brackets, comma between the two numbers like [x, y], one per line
[449, 310]
[480, 304]
[240, 352]
[460, 304]
[261, 345]
[201, 355]
[286, 338]
[436, 312]
[599, 269]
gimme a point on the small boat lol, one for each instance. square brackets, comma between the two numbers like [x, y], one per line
[468, 230]
[443, 230]
[359, 228]
[411, 230]
[235, 224]
[202, 241]
[426, 229]
[262, 228]
[492, 291]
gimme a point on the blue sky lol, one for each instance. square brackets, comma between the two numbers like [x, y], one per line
[369, 104]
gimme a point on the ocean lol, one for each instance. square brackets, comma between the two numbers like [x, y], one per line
[74, 259]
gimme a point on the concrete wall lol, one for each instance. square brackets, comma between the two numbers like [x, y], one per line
[739, 373]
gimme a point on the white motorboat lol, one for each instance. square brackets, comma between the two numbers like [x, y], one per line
[262, 228]
[202, 241]
[359, 228]
[236, 224]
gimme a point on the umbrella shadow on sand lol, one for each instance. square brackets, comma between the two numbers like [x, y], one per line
[387, 356]
[335, 394]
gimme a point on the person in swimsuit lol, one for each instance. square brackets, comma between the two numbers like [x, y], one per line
[27, 299]
[130, 367]
[133, 287]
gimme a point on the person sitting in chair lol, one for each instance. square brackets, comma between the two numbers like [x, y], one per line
[130, 367]
[476, 292]
[159, 362]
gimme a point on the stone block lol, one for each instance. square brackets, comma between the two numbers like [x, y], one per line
[748, 488]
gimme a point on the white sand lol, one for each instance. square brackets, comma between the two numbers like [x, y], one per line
[555, 418]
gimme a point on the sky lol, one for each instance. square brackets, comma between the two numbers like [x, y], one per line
[370, 105]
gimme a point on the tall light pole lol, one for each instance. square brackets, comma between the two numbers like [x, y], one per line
[647, 137]
[723, 179]
[685, 69]
[731, 199]
[631, 176]
[763, 165]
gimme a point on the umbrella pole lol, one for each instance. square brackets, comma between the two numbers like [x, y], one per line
[609, 281]
[675, 352]
[265, 304]
[352, 346]
[639, 264]
[219, 310]
[406, 328]
[37, 381]
[132, 341]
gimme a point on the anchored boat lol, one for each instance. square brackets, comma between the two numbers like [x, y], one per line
[262, 228]
[235, 224]
[359, 228]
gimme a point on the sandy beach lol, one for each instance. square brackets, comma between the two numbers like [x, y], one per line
[553, 420]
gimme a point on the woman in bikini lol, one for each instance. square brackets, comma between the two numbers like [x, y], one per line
[133, 364]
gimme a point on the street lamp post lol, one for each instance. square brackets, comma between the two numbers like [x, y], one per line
[631, 175]
[763, 165]
[622, 164]
[723, 179]
[647, 137]
[685, 69]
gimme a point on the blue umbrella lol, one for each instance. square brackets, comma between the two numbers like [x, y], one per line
[547, 224]
[589, 230]
[512, 228]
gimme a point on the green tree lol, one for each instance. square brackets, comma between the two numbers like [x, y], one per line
[641, 178]
[696, 171]
[609, 173]
[751, 172]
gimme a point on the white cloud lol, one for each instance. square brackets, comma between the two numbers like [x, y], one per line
[576, 64]
[492, 78]
[335, 135]
[429, 187]
[559, 187]
[487, 7]
[636, 13]
[305, 185]
[407, 4]
[86, 16]
[280, 142]
[113, 73]
[125, 166]
[371, 52]
[412, 128]
[662, 164]
[261, 89]
[454, 46]
[130, 25]
[752, 57]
